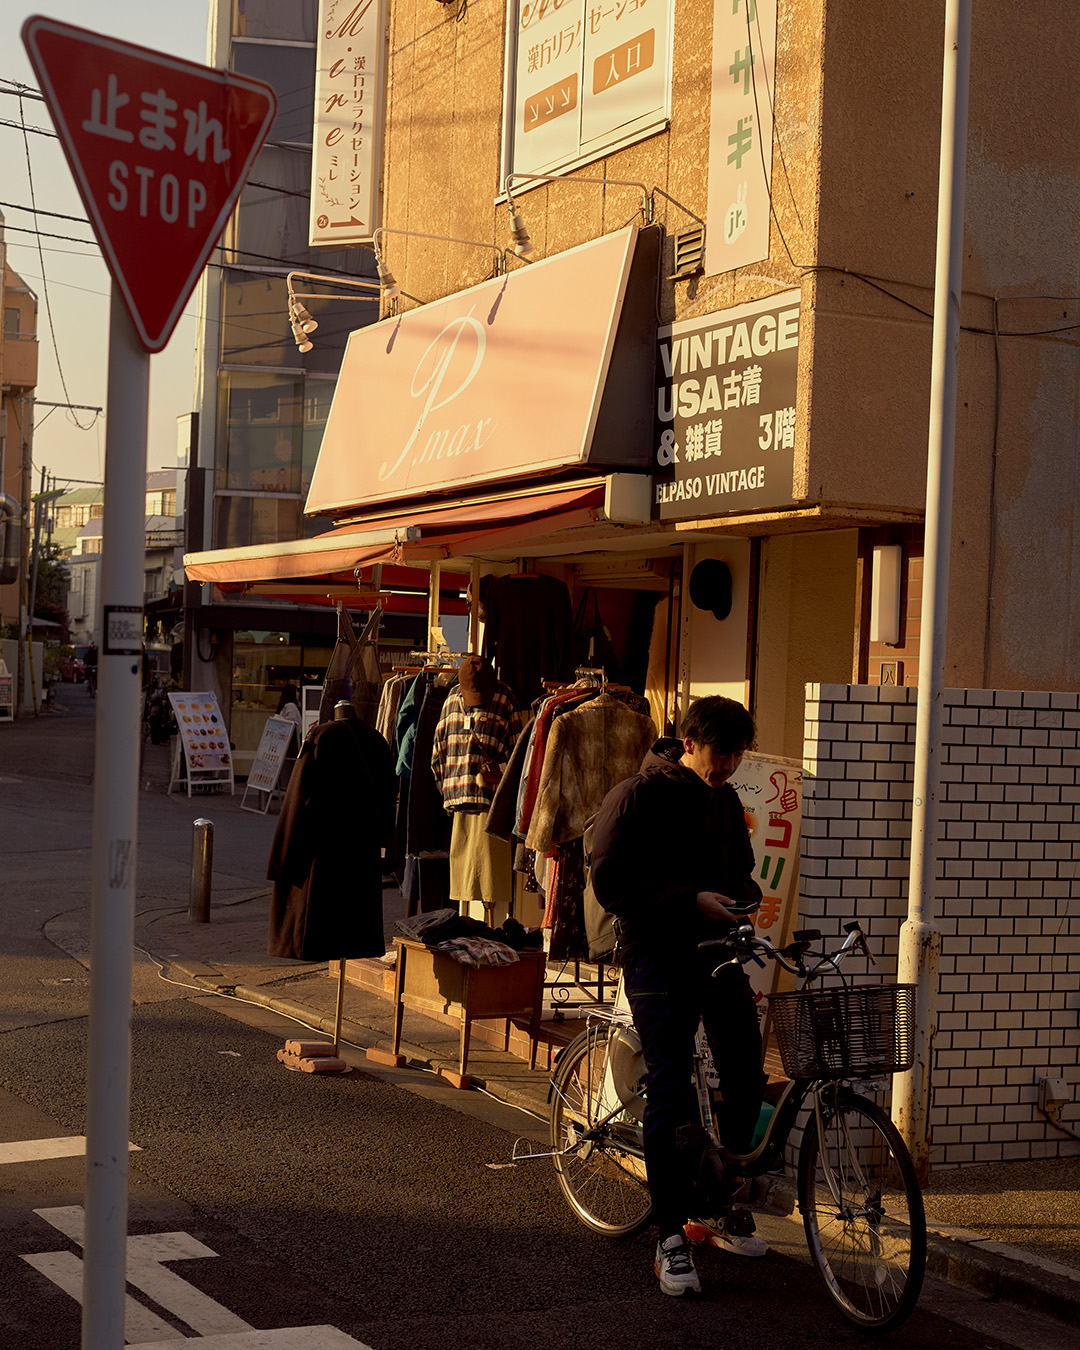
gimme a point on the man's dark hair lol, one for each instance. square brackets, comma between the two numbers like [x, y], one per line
[720, 722]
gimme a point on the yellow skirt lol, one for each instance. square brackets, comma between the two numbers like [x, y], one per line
[481, 866]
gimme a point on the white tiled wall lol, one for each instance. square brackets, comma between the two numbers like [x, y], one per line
[1007, 898]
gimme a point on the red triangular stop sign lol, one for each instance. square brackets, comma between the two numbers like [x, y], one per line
[160, 149]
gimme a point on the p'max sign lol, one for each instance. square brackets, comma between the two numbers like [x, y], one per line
[502, 379]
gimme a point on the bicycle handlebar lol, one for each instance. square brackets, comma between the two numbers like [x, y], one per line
[746, 946]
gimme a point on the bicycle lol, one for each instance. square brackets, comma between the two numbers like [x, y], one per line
[857, 1190]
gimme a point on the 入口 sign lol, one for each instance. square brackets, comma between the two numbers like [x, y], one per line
[583, 74]
[725, 410]
[159, 148]
[346, 151]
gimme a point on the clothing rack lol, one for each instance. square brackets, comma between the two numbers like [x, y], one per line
[432, 661]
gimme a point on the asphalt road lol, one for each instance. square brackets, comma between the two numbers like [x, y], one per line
[364, 1204]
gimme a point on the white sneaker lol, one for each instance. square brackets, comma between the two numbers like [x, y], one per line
[717, 1233]
[675, 1266]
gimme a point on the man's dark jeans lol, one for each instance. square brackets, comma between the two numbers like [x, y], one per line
[666, 1019]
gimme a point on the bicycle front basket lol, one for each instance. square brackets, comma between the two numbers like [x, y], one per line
[857, 1031]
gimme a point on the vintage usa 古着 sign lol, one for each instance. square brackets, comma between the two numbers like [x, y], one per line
[725, 410]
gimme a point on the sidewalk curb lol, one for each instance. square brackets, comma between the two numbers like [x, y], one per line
[1007, 1276]
[1008, 1279]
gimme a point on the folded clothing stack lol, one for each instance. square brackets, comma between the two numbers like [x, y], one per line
[442, 925]
[479, 951]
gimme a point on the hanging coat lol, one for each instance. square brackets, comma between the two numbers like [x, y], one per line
[325, 861]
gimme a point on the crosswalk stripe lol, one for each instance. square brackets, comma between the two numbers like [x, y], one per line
[38, 1150]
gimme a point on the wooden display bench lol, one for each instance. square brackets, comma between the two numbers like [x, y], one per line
[429, 981]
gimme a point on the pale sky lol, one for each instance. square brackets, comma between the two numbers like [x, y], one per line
[76, 276]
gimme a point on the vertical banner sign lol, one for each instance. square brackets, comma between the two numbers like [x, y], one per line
[347, 141]
[740, 133]
[159, 148]
[583, 72]
[725, 410]
[771, 794]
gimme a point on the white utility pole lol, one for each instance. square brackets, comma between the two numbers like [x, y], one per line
[116, 827]
[920, 936]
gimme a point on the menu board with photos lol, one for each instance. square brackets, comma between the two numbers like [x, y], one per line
[203, 736]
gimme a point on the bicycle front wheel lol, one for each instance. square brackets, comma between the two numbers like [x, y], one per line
[603, 1179]
[863, 1212]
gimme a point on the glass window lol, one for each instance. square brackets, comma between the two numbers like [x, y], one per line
[286, 20]
[290, 72]
[262, 421]
[272, 219]
[271, 432]
[255, 321]
[318, 395]
[240, 521]
[11, 321]
[584, 80]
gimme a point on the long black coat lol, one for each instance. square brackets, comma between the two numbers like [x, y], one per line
[325, 861]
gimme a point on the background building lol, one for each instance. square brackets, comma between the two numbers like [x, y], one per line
[247, 457]
[18, 378]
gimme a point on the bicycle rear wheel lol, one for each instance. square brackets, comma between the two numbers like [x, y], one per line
[863, 1213]
[603, 1182]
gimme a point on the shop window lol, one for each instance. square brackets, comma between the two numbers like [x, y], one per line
[583, 79]
[290, 72]
[282, 20]
[264, 661]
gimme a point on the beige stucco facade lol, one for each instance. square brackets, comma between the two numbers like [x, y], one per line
[857, 97]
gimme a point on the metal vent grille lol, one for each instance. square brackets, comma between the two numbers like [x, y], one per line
[689, 252]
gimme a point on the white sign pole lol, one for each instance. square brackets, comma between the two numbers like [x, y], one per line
[116, 815]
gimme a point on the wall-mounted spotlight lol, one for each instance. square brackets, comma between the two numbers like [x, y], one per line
[300, 319]
[523, 245]
[301, 316]
[519, 235]
[389, 281]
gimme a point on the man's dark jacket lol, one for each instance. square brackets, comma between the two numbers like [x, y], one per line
[660, 838]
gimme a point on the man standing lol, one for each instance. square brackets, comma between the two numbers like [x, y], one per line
[672, 860]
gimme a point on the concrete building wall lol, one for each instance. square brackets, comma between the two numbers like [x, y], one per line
[1009, 1012]
[854, 196]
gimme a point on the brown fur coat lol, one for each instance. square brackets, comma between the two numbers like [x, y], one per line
[588, 751]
